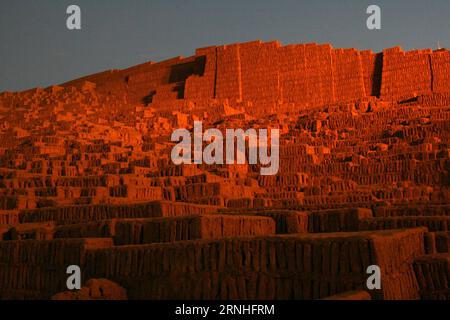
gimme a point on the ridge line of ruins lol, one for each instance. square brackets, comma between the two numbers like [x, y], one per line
[306, 74]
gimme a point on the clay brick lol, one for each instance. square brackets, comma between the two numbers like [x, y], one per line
[39, 266]
[337, 219]
[433, 276]
[388, 249]
[432, 223]
[79, 214]
[287, 221]
[35, 231]
[140, 231]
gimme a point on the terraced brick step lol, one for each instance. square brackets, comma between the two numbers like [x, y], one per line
[83, 214]
[37, 268]
[9, 217]
[308, 266]
[140, 231]
[287, 221]
[34, 231]
[437, 242]
[439, 223]
[411, 210]
[335, 220]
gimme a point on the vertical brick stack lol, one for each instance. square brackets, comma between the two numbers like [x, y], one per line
[202, 87]
[406, 74]
[440, 62]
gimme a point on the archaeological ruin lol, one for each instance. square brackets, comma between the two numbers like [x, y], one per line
[86, 179]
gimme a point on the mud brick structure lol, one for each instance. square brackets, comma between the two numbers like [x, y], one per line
[334, 220]
[86, 178]
[286, 221]
[433, 274]
[432, 223]
[279, 267]
[437, 242]
[73, 214]
[36, 268]
[139, 231]
[442, 241]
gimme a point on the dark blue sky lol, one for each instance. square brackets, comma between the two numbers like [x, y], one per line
[36, 49]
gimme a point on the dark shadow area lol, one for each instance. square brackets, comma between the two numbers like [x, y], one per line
[377, 75]
[409, 101]
[182, 71]
[148, 99]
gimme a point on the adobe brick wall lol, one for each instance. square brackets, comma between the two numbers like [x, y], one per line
[440, 64]
[80, 214]
[37, 268]
[279, 267]
[433, 276]
[266, 73]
